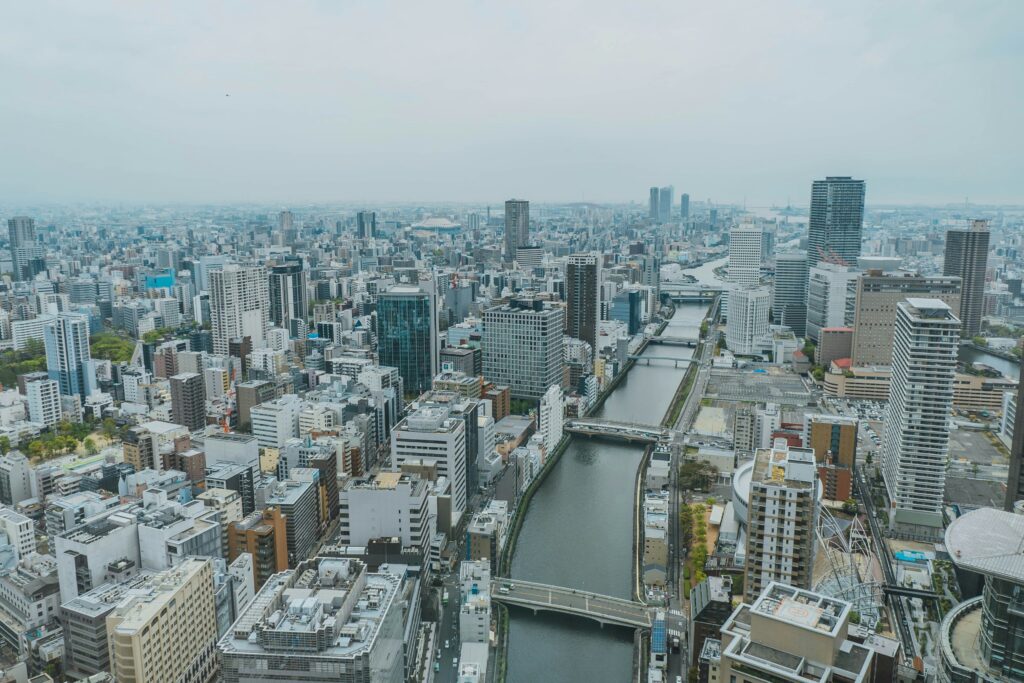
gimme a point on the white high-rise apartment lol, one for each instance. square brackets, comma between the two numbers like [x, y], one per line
[523, 346]
[831, 288]
[552, 411]
[239, 301]
[747, 323]
[43, 401]
[432, 434]
[20, 532]
[745, 254]
[915, 443]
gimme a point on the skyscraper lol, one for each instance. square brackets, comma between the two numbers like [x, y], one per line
[745, 254]
[653, 204]
[523, 343]
[366, 224]
[285, 229]
[747, 322]
[915, 443]
[789, 292]
[874, 309]
[288, 297]
[836, 220]
[188, 406]
[783, 514]
[665, 201]
[407, 335]
[66, 338]
[238, 305]
[1015, 482]
[684, 206]
[830, 287]
[25, 252]
[582, 297]
[517, 226]
[967, 258]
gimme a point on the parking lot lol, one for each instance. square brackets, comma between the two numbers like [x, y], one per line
[757, 387]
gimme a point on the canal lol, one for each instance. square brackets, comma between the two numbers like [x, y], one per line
[578, 531]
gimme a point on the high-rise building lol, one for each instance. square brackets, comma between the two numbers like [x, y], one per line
[583, 297]
[286, 234]
[967, 259]
[25, 252]
[239, 302]
[67, 354]
[387, 504]
[188, 400]
[432, 435]
[288, 298]
[836, 221]
[665, 202]
[43, 401]
[745, 254]
[785, 633]
[336, 621]
[15, 478]
[833, 438]
[782, 519]
[366, 225]
[874, 309]
[1015, 481]
[684, 206]
[789, 291]
[980, 636]
[407, 335]
[523, 343]
[830, 288]
[249, 395]
[915, 444]
[141, 644]
[626, 309]
[653, 204]
[275, 422]
[263, 535]
[747, 322]
[298, 501]
[552, 416]
[517, 226]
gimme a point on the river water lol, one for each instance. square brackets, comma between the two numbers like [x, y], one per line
[578, 531]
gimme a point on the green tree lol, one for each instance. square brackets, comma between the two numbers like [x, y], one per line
[5, 445]
[109, 428]
[35, 449]
[90, 446]
[850, 506]
[979, 341]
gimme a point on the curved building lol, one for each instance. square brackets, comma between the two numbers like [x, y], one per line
[979, 641]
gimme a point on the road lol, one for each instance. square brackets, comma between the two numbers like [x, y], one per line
[566, 600]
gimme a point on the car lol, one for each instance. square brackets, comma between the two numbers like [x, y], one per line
[437, 666]
[455, 661]
[446, 644]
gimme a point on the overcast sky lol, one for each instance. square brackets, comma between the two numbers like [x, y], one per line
[549, 100]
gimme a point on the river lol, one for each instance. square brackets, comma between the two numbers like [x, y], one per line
[578, 531]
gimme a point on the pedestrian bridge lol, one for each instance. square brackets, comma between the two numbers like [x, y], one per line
[603, 609]
[627, 431]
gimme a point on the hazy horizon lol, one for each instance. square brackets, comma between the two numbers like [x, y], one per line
[558, 102]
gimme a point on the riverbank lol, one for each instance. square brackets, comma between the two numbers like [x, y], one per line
[571, 524]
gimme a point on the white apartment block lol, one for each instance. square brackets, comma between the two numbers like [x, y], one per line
[431, 434]
[747, 323]
[239, 302]
[915, 443]
[43, 402]
[552, 416]
[745, 254]
[20, 532]
[274, 422]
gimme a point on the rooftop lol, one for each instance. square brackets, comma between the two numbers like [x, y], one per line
[805, 609]
[990, 542]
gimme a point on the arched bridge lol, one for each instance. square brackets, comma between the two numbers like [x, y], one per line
[601, 608]
[627, 431]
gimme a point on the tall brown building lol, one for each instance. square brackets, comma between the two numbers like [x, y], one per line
[264, 536]
[251, 394]
[139, 448]
[583, 298]
[833, 439]
[874, 316]
[188, 400]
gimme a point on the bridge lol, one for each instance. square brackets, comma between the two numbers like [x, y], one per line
[647, 358]
[673, 341]
[603, 609]
[687, 292]
[627, 431]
